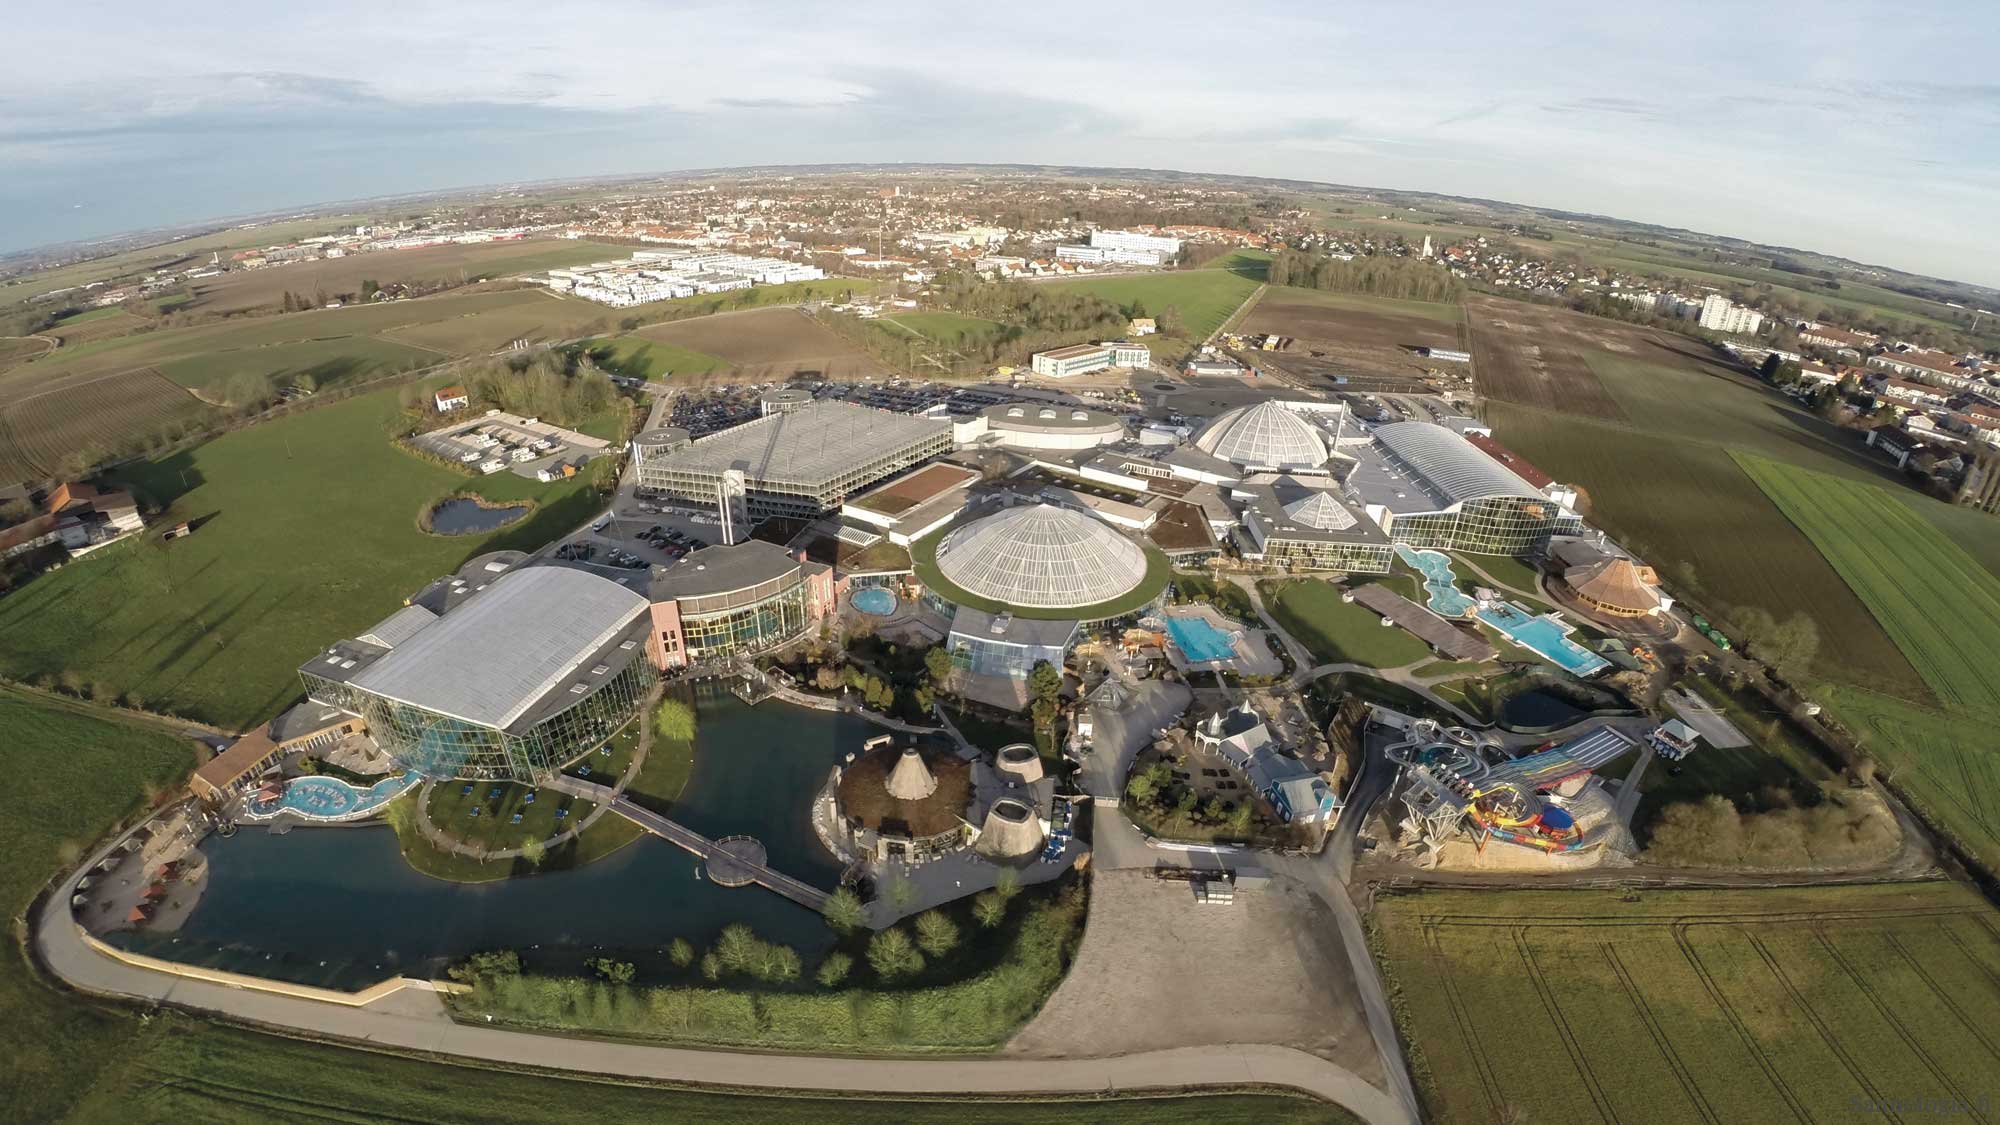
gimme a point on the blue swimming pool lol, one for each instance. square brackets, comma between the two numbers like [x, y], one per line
[1439, 582]
[1200, 641]
[1546, 637]
[330, 798]
[875, 601]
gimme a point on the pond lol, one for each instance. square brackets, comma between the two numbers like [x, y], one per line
[460, 516]
[338, 906]
[1538, 710]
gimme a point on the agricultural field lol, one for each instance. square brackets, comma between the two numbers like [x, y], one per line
[97, 324]
[1692, 512]
[1943, 760]
[765, 344]
[330, 363]
[39, 431]
[20, 349]
[183, 251]
[1349, 333]
[1673, 1006]
[241, 290]
[536, 315]
[1204, 298]
[1936, 602]
[306, 532]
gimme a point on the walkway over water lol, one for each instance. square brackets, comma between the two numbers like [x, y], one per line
[741, 864]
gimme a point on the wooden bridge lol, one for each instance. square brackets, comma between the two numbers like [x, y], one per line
[743, 864]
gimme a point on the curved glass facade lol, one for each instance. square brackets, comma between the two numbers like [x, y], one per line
[437, 745]
[1495, 525]
[746, 628]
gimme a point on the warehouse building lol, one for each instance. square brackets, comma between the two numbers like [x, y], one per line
[798, 462]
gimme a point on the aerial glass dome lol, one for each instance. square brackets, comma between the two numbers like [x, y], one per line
[1322, 511]
[1041, 556]
[1265, 435]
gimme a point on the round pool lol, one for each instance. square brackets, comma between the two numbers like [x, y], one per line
[874, 601]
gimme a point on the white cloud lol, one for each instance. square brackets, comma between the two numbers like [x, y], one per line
[1848, 130]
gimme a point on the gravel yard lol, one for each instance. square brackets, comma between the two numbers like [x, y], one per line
[1159, 970]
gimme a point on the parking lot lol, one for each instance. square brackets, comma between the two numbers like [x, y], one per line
[640, 531]
[497, 440]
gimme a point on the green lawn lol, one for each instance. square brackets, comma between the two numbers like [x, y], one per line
[640, 358]
[1450, 668]
[945, 327]
[307, 533]
[1338, 632]
[70, 777]
[184, 1072]
[329, 362]
[1227, 597]
[1723, 1005]
[1205, 298]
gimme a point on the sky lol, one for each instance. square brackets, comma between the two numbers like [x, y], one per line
[1866, 130]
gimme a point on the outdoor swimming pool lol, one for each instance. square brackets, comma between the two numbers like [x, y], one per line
[1439, 582]
[330, 798]
[1199, 640]
[875, 601]
[1545, 636]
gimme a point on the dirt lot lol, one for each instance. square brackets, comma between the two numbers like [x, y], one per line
[1354, 335]
[1158, 970]
[774, 343]
[1534, 354]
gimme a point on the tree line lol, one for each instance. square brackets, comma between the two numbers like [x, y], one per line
[1404, 279]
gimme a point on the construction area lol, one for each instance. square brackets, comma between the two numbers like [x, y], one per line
[498, 440]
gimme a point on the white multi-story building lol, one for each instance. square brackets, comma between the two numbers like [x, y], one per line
[1720, 314]
[1133, 240]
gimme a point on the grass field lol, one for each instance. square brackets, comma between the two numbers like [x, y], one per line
[770, 343]
[945, 327]
[307, 533]
[69, 777]
[330, 363]
[639, 358]
[97, 324]
[229, 1077]
[38, 432]
[266, 288]
[1939, 605]
[1336, 631]
[1671, 1006]
[1205, 298]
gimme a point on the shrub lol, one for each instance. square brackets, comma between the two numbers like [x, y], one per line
[834, 969]
[892, 955]
[936, 933]
[843, 911]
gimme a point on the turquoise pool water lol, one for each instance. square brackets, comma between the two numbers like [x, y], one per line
[1546, 636]
[874, 601]
[330, 798]
[1200, 641]
[1439, 582]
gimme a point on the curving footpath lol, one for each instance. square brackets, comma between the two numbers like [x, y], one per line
[414, 1019]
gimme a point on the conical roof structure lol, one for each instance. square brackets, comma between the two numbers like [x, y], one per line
[1019, 762]
[1616, 586]
[911, 780]
[1011, 831]
[1041, 556]
[1264, 435]
[1322, 511]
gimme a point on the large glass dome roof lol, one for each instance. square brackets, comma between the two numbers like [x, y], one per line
[1041, 556]
[1264, 435]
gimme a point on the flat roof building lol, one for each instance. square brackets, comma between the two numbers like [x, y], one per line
[1025, 425]
[798, 462]
[510, 681]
